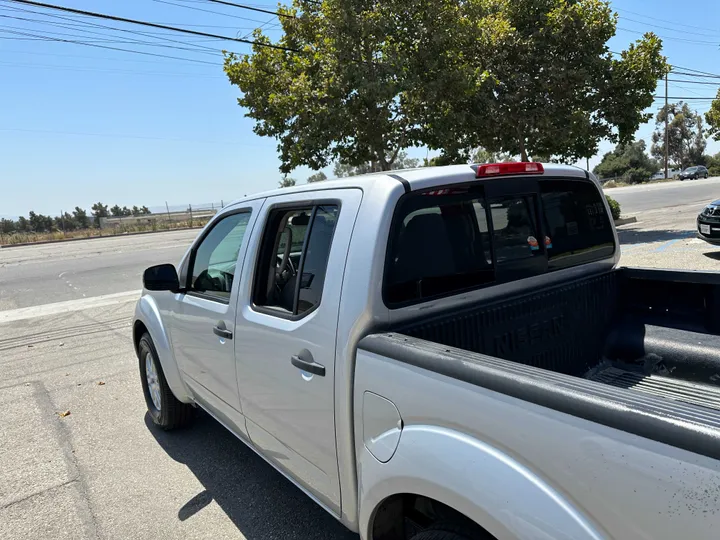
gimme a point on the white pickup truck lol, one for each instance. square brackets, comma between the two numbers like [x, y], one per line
[448, 353]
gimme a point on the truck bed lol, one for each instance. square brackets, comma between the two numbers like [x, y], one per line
[621, 335]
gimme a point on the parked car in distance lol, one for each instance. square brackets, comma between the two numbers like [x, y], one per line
[448, 353]
[693, 173]
[708, 223]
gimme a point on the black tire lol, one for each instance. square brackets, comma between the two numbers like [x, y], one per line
[439, 535]
[172, 413]
[453, 530]
[706, 177]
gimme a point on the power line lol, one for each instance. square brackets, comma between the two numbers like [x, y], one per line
[152, 25]
[666, 27]
[687, 98]
[207, 11]
[194, 47]
[242, 6]
[672, 38]
[661, 20]
[695, 82]
[145, 53]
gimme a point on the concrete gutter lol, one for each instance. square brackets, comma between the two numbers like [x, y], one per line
[625, 221]
[6, 246]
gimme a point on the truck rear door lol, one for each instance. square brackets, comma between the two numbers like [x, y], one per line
[285, 333]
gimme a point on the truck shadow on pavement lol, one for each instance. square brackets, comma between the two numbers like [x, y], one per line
[260, 501]
[648, 236]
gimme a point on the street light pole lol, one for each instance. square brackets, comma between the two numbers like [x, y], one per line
[666, 125]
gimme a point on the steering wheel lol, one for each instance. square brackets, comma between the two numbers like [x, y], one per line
[282, 277]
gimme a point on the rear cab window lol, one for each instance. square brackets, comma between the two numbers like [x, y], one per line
[445, 241]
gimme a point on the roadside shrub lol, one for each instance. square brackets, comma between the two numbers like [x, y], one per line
[610, 184]
[637, 175]
[614, 207]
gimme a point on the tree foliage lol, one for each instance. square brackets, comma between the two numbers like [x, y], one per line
[286, 181]
[360, 81]
[552, 88]
[629, 161]
[317, 177]
[39, 223]
[712, 117]
[686, 141]
[402, 161]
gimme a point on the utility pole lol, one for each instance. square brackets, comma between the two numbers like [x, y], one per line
[666, 125]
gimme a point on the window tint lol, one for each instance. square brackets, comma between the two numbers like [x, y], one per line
[216, 257]
[515, 234]
[293, 258]
[439, 244]
[449, 240]
[314, 263]
[577, 226]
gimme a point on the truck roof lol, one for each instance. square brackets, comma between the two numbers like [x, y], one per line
[418, 178]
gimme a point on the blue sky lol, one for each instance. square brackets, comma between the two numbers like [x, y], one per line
[80, 124]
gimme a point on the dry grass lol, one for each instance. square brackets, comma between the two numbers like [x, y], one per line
[619, 184]
[59, 236]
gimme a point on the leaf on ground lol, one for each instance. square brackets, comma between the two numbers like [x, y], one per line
[101, 383]
[63, 414]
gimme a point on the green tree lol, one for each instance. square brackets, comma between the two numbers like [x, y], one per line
[485, 156]
[686, 140]
[317, 177]
[7, 226]
[99, 210]
[546, 84]
[126, 211]
[402, 161]
[23, 225]
[39, 222]
[116, 211]
[65, 222]
[712, 117]
[81, 218]
[286, 182]
[342, 90]
[629, 161]
[145, 211]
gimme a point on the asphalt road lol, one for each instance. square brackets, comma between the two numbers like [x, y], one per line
[103, 470]
[46, 273]
[638, 199]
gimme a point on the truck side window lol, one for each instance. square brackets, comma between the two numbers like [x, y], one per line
[576, 223]
[439, 244]
[293, 259]
[215, 258]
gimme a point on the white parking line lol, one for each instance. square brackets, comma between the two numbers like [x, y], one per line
[67, 306]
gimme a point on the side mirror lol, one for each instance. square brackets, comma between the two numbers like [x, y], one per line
[162, 277]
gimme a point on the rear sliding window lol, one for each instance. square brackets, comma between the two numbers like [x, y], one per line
[449, 240]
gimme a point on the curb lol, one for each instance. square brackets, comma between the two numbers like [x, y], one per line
[625, 221]
[8, 246]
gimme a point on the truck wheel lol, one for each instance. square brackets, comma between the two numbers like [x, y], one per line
[439, 535]
[164, 409]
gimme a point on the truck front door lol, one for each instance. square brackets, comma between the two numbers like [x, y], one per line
[285, 333]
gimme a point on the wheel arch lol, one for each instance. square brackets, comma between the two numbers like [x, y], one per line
[500, 496]
[148, 319]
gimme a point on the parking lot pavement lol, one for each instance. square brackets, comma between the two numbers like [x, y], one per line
[666, 239]
[103, 470]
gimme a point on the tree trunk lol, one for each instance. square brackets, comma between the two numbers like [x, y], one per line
[521, 142]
